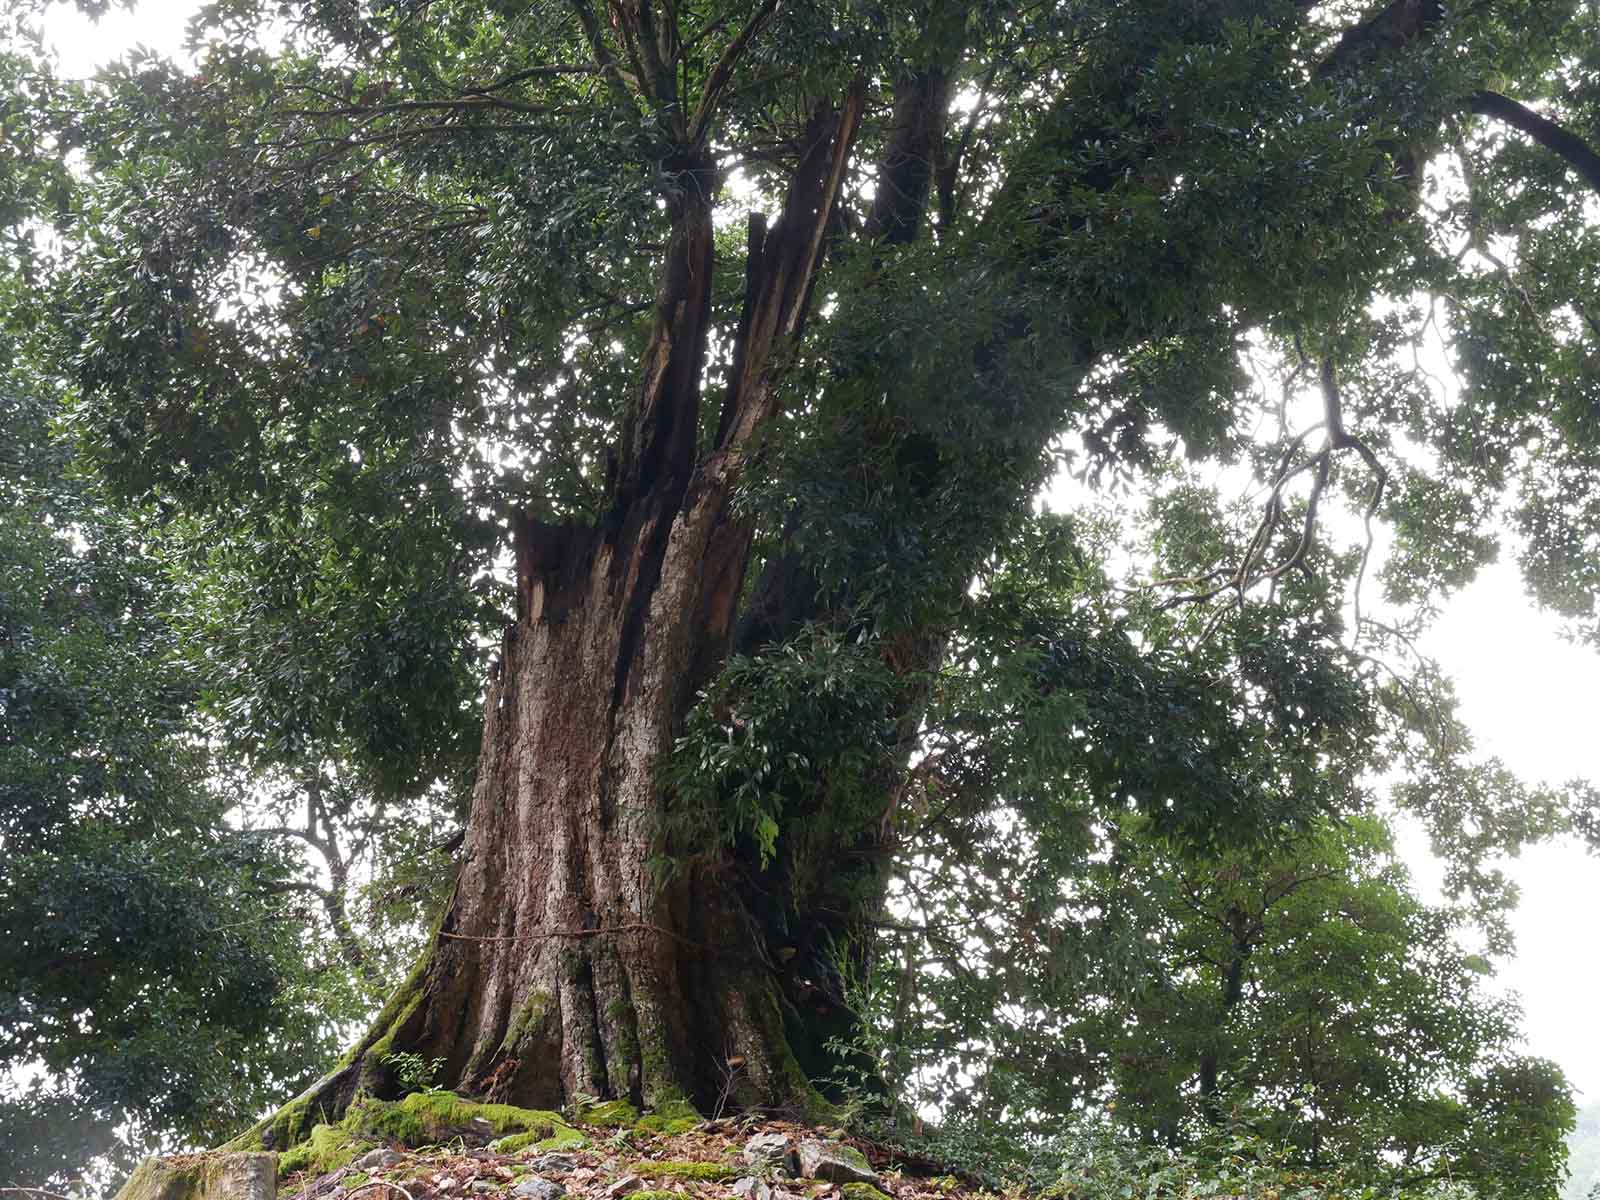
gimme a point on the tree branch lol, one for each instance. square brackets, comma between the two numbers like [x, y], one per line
[717, 80]
[1577, 152]
[622, 83]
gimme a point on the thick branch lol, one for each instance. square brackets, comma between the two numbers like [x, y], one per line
[916, 141]
[1577, 152]
[782, 270]
[623, 84]
[1393, 27]
[717, 80]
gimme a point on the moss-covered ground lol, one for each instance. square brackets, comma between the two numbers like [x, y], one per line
[426, 1119]
[455, 1149]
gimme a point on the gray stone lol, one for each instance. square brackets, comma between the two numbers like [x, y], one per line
[547, 1163]
[241, 1176]
[751, 1188]
[836, 1163]
[625, 1186]
[539, 1189]
[481, 1186]
[767, 1149]
[376, 1160]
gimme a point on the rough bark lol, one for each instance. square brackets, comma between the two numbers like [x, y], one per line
[565, 965]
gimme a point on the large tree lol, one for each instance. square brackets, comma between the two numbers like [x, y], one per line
[750, 330]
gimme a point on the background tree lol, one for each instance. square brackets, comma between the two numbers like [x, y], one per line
[164, 978]
[153, 990]
[1584, 1154]
[1055, 949]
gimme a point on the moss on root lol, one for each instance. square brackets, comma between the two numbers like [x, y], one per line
[361, 1070]
[424, 1119]
[670, 1116]
[564, 1138]
[400, 1009]
[862, 1191]
[608, 1114]
[327, 1149]
[525, 1020]
[289, 1125]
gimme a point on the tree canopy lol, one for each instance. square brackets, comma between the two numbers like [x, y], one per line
[689, 371]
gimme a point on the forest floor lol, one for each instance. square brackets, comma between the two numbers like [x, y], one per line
[736, 1159]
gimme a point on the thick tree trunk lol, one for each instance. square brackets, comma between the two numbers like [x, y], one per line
[568, 962]
[565, 964]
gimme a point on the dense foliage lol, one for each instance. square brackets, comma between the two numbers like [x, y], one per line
[359, 302]
[148, 987]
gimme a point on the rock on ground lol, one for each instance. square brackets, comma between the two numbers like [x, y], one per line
[244, 1176]
[835, 1163]
[539, 1189]
[768, 1149]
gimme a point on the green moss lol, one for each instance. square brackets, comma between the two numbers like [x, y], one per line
[671, 1116]
[384, 1045]
[423, 1118]
[624, 1022]
[815, 1110]
[654, 1194]
[668, 1125]
[327, 1149]
[354, 1180]
[619, 1009]
[608, 1114]
[862, 1191]
[683, 1170]
[852, 1156]
[289, 1125]
[526, 1018]
[564, 1138]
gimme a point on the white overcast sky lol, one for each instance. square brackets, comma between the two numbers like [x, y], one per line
[1529, 696]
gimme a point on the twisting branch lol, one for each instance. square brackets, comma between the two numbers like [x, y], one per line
[1254, 567]
[1340, 438]
[623, 83]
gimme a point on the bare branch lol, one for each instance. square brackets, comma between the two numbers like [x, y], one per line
[1253, 567]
